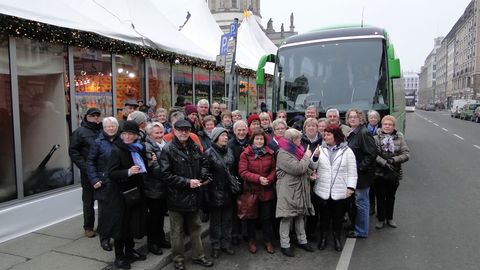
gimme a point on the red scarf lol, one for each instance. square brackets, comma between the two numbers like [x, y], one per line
[290, 147]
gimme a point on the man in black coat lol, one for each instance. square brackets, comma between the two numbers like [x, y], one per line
[80, 142]
[181, 163]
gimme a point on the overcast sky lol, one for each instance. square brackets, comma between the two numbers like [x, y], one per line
[411, 24]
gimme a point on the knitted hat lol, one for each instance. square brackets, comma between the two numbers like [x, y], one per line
[131, 126]
[252, 118]
[189, 109]
[216, 132]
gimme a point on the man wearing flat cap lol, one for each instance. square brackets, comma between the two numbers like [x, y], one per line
[129, 106]
[181, 163]
[80, 142]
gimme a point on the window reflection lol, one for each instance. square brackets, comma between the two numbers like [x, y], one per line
[159, 84]
[202, 85]
[130, 80]
[44, 129]
[183, 83]
[218, 87]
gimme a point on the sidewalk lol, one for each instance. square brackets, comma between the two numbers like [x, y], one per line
[63, 246]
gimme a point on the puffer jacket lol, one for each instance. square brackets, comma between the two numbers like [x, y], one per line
[154, 187]
[250, 170]
[365, 150]
[334, 177]
[80, 142]
[179, 164]
[217, 161]
[400, 155]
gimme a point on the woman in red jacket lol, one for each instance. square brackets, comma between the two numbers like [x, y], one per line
[257, 169]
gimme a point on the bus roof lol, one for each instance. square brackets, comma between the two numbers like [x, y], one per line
[336, 32]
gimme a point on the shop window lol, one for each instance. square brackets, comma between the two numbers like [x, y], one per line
[253, 106]
[159, 85]
[43, 116]
[8, 187]
[218, 87]
[183, 83]
[202, 85]
[242, 95]
[93, 81]
[130, 80]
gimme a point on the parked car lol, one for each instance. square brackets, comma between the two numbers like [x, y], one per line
[476, 115]
[468, 110]
[430, 107]
[458, 105]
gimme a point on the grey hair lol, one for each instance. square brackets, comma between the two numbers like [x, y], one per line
[177, 116]
[111, 120]
[311, 107]
[161, 110]
[150, 127]
[373, 113]
[292, 134]
[239, 123]
[277, 122]
[333, 110]
[203, 102]
[138, 116]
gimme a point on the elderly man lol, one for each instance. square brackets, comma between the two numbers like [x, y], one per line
[333, 116]
[216, 111]
[141, 119]
[129, 106]
[202, 108]
[181, 162]
[80, 142]
[310, 112]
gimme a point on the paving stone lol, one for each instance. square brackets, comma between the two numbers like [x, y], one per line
[32, 245]
[70, 229]
[87, 248]
[7, 260]
[55, 260]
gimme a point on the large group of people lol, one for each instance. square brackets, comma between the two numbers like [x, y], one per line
[300, 181]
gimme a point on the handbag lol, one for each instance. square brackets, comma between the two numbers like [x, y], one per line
[247, 206]
[132, 197]
[235, 184]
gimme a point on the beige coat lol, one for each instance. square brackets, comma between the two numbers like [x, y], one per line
[293, 185]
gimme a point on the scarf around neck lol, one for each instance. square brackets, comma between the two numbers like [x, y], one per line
[258, 151]
[135, 148]
[387, 144]
[290, 147]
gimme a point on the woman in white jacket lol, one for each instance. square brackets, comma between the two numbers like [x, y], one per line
[337, 180]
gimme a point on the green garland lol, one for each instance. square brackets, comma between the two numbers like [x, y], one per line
[23, 28]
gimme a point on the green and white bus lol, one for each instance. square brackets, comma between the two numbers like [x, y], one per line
[339, 67]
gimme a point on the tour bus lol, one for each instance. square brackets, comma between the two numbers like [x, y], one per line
[409, 103]
[338, 67]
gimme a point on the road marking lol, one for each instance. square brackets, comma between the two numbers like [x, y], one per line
[430, 121]
[476, 146]
[435, 124]
[458, 137]
[346, 256]
[445, 129]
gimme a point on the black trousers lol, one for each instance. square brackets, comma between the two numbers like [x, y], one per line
[157, 208]
[221, 226]
[331, 212]
[312, 220]
[122, 247]
[265, 210]
[88, 202]
[386, 189]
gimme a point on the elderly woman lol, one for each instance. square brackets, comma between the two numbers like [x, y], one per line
[282, 115]
[294, 173]
[373, 126]
[365, 150]
[155, 190]
[279, 127]
[265, 123]
[337, 180]
[257, 169]
[392, 152]
[209, 123]
[322, 124]
[97, 161]
[162, 117]
[127, 168]
[218, 161]
[236, 115]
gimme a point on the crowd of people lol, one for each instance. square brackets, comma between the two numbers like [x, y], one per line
[301, 181]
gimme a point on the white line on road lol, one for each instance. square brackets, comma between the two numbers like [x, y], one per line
[435, 124]
[346, 256]
[445, 129]
[476, 146]
[430, 121]
[458, 137]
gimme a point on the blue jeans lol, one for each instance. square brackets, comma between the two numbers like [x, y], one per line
[362, 201]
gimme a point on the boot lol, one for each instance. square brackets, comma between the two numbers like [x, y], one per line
[323, 241]
[337, 242]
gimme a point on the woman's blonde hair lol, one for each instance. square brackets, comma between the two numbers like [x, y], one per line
[389, 118]
[360, 115]
[292, 134]
[309, 121]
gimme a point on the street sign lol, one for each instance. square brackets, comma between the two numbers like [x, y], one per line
[228, 63]
[224, 44]
[220, 61]
[231, 46]
[233, 30]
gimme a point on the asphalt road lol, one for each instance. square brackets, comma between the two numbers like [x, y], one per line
[437, 210]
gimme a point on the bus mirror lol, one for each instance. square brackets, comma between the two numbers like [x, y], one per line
[260, 76]
[261, 67]
[394, 68]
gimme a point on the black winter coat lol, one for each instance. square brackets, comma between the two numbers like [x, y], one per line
[217, 162]
[365, 150]
[179, 164]
[80, 142]
[123, 221]
[154, 187]
[97, 163]
[307, 144]
[237, 147]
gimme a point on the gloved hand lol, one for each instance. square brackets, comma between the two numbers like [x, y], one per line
[389, 166]
[390, 161]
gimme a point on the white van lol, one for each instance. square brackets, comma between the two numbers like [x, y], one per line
[457, 106]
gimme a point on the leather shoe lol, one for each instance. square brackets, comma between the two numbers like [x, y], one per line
[121, 264]
[228, 250]
[380, 225]
[323, 241]
[133, 256]
[288, 252]
[269, 248]
[215, 253]
[336, 241]
[164, 244]
[155, 249]
[352, 234]
[252, 246]
[306, 247]
[203, 261]
[392, 223]
[105, 244]
[179, 266]
[90, 233]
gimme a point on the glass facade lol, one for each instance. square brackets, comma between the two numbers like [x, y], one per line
[218, 87]
[130, 80]
[159, 84]
[183, 83]
[202, 85]
[43, 124]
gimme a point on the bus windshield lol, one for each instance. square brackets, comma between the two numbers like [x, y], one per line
[340, 74]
